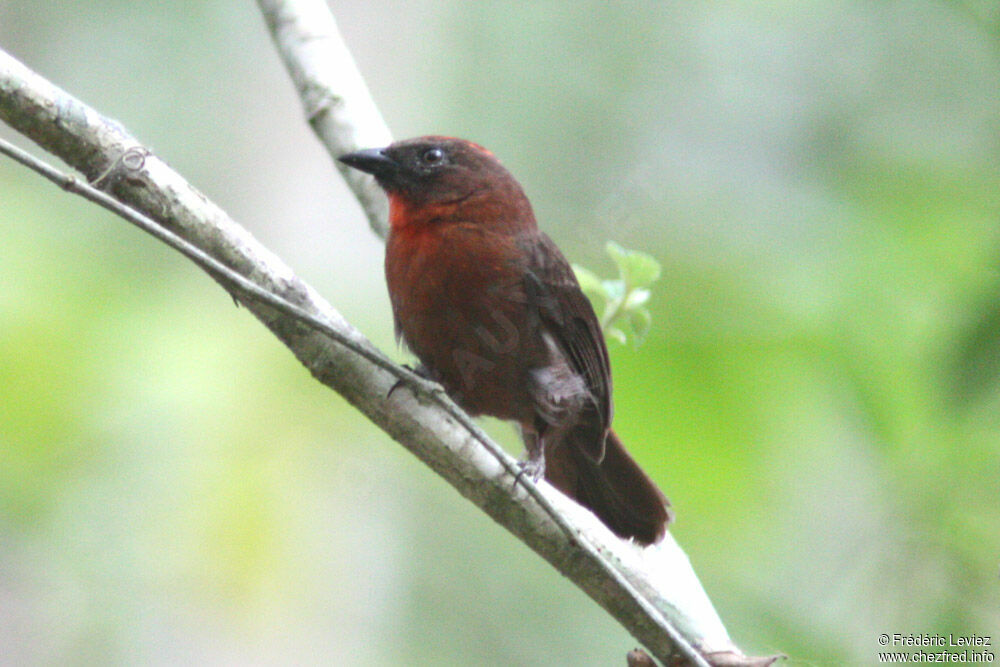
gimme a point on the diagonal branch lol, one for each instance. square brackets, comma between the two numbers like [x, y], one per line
[652, 592]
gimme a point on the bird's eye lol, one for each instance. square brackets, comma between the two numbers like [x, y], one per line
[432, 156]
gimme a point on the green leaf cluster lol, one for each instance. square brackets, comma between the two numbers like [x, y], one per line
[621, 302]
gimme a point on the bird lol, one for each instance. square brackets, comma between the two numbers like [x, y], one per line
[494, 313]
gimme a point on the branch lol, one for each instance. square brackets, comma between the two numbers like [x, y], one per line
[625, 580]
[334, 95]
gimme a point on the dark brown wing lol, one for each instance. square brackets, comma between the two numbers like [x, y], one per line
[568, 317]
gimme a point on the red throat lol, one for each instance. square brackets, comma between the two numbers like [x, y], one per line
[405, 214]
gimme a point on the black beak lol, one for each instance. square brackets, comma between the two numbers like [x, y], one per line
[373, 161]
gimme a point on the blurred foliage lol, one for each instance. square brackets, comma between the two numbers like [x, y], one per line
[621, 302]
[818, 395]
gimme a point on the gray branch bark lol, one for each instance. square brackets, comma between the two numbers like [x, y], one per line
[652, 592]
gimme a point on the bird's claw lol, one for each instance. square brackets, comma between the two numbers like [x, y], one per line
[533, 468]
[422, 385]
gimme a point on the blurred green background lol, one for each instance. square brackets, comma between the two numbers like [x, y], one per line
[818, 396]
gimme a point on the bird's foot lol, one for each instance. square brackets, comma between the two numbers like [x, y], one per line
[533, 468]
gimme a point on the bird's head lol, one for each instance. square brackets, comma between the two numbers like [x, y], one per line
[436, 178]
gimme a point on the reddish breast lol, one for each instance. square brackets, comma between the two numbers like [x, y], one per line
[459, 303]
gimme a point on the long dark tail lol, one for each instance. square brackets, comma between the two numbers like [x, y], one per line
[617, 490]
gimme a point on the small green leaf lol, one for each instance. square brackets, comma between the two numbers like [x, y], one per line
[617, 334]
[642, 270]
[614, 289]
[636, 298]
[640, 320]
[589, 281]
[637, 269]
[619, 255]
[616, 251]
[623, 313]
